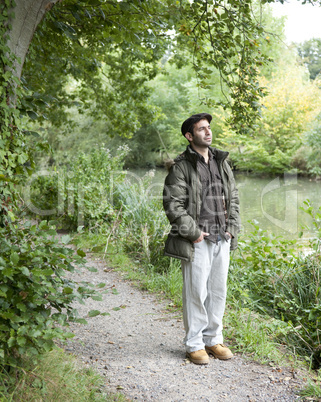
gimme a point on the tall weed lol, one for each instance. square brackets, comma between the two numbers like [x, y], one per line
[272, 276]
[144, 223]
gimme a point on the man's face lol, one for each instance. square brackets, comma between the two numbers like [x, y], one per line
[202, 134]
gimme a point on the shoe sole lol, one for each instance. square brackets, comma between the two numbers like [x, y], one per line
[197, 361]
[210, 352]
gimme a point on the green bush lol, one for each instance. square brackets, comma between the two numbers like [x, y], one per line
[297, 300]
[313, 139]
[270, 275]
[80, 191]
[36, 294]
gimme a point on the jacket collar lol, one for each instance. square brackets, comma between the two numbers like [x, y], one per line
[192, 156]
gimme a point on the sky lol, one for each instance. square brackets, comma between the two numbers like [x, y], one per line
[303, 21]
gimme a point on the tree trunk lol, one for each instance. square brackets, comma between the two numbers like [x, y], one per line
[27, 15]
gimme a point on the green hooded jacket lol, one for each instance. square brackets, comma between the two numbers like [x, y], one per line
[182, 202]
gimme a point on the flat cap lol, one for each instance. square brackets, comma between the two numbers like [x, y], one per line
[187, 126]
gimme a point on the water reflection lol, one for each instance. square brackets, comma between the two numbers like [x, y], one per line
[272, 201]
[275, 202]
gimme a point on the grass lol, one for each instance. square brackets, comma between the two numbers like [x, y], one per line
[55, 377]
[255, 335]
[312, 391]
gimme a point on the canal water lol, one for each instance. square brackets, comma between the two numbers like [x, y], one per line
[274, 202]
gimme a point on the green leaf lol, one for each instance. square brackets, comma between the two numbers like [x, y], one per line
[97, 297]
[81, 252]
[14, 258]
[4, 178]
[92, 269]
[97, 249]
[65, 239]
[11, 342]
[52, 232]
[67, 290]
[33, 133]
[33, 115]
[69, 335]
[81, 321]
[25, 271]
[21, 306]
[80, 229]
[43, 225]
[12, 216]
[93, 313]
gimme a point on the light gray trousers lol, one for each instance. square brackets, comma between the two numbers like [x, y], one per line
[204, 294]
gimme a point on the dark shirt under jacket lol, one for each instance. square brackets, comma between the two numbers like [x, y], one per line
[212, 215]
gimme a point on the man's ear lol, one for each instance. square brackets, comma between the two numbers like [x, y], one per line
[189, 136]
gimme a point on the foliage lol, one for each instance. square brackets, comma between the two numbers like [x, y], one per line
[309, 52]
[35, 292]
[315, 241]
[252, 333]
[36, 295]
[173, 94]
[110, 49]
[56, 377]
[283, 284]
[313, 141]
[143, 225]
[226, 37]
[176, 95]
[100, 55]
[290, 106]
[80, 192]
[15, 156]
[274, 46]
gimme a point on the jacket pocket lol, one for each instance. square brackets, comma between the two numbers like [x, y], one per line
[178, 247]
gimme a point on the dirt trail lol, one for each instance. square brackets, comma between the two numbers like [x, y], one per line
[139, 349]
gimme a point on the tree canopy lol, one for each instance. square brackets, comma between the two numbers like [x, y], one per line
[110, 48]
[310, 53]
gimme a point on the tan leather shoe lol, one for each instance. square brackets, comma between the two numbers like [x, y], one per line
[219, 351]
[198, 357]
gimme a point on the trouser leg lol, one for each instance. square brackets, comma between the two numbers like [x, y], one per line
[216, 294]
[204, 293]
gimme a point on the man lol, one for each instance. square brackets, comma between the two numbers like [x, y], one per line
[201, 202]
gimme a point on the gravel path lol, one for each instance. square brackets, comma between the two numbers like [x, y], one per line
[139, 349]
